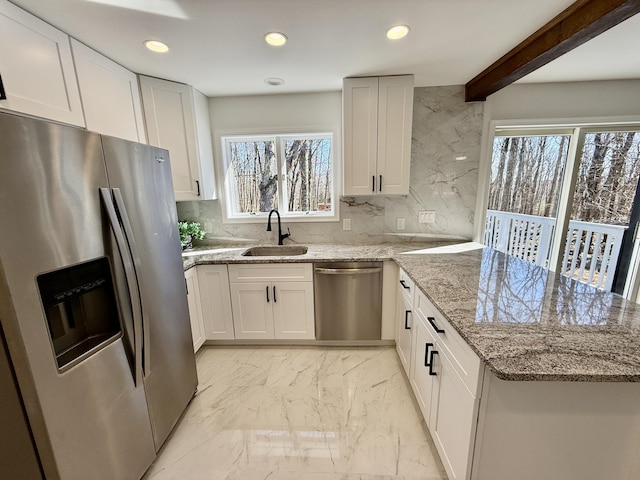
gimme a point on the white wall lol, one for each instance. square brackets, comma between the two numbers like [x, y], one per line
[444, 126]
[552, 103]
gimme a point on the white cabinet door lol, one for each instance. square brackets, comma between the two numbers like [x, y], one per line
[216, 302]
[110, 95]
[453, 419]
[36, 68]
[377, 121]
[360, 125]
[422, 381]
[170, 118]
[404, 329]
[252, 311]
[195, 311]
[395, 115]
[293, 314]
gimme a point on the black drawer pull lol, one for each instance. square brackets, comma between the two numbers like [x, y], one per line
[380, 186]
[431, 372]
[432, 321]
[267, 289]
[373, 183]
[406, 318]
[426, 354]
[404, 285]
[275, 300]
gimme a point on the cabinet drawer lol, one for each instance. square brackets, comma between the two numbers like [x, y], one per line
[463, 358]
[406, 286]
[280, 272]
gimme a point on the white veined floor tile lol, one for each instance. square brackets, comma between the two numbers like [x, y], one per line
[285, 413]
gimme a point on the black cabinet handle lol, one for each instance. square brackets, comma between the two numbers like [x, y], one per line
[426, 353]
[267, 289]
[432, 321]
[3, 94]
[275, 300]
[406, 318]
[431, 372]
[373, 183]
[198, 186]
[380, 185]
[404, 285]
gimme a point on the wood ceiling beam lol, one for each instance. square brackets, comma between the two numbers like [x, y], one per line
[580, 22]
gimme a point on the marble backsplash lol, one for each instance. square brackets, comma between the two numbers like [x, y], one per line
[445, 154]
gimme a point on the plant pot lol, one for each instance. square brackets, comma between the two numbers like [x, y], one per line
[187, 243]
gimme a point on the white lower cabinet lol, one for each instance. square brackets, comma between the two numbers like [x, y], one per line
[272, 301]
[453, 417]
[445, 376]
[404, 331]
[421, 380]
[195, 310]
[216, 302]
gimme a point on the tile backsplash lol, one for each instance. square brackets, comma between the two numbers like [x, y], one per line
[445, 154]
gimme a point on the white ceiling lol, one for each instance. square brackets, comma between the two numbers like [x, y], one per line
[217, 45]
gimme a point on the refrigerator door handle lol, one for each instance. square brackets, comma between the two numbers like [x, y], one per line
[130, 276]
[130, 239]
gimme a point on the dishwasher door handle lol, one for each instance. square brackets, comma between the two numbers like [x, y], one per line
[347, 271]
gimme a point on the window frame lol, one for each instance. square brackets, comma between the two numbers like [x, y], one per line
[577, 129]
[279, 137]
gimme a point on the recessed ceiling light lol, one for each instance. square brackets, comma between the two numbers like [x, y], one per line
[275, 81]
[276, 39]
[397, 31]
[156, 46]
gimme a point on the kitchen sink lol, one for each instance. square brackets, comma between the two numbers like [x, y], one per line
[275, 251]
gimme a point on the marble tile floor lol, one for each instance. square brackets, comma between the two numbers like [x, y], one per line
[299, 413]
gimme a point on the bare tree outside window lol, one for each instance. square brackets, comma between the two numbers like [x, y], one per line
[293, 173]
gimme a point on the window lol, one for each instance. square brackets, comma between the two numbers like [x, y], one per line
[293, 173]
[565, 200]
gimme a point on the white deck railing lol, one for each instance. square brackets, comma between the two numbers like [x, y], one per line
[590, 254]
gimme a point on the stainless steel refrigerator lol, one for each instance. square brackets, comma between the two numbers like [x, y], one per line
[93, 307]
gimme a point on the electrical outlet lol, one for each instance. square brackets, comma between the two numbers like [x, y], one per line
[346, 224]
[427, 216]
[399, 223]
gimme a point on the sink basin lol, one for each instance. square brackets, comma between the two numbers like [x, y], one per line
[275, 251]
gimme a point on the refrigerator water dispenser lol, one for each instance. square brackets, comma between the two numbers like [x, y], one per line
[81, 310]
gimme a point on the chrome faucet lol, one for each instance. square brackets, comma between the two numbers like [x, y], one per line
[281, 237]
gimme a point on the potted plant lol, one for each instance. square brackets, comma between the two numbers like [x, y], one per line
[188, 232]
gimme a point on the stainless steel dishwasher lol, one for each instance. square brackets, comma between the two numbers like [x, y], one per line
[348, 298]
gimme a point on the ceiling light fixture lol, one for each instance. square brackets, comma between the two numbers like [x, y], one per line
[397, 31]
[156, 46]
[276, 39]
[274, 81]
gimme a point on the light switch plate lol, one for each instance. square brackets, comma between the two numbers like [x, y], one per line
[427, 216]
[400, 223]
[346, 224]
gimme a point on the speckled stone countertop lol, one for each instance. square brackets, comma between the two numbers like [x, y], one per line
[524, 322]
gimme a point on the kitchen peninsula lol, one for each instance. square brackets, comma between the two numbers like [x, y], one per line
[557, 394]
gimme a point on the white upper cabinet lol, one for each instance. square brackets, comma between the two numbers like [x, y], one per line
[177, 118]
[36, 68]
[377, 119]
[110, 95]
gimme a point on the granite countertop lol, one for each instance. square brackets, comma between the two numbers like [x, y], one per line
[524, 322]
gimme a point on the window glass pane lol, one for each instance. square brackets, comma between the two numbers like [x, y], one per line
[603, 198]
[607, 179]
[253, 176]
[526, 179]
[308, 174]
[526, 174]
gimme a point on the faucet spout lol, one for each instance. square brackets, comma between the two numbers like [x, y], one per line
[281, 236]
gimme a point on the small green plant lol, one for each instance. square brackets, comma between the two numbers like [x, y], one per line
[188, 232]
